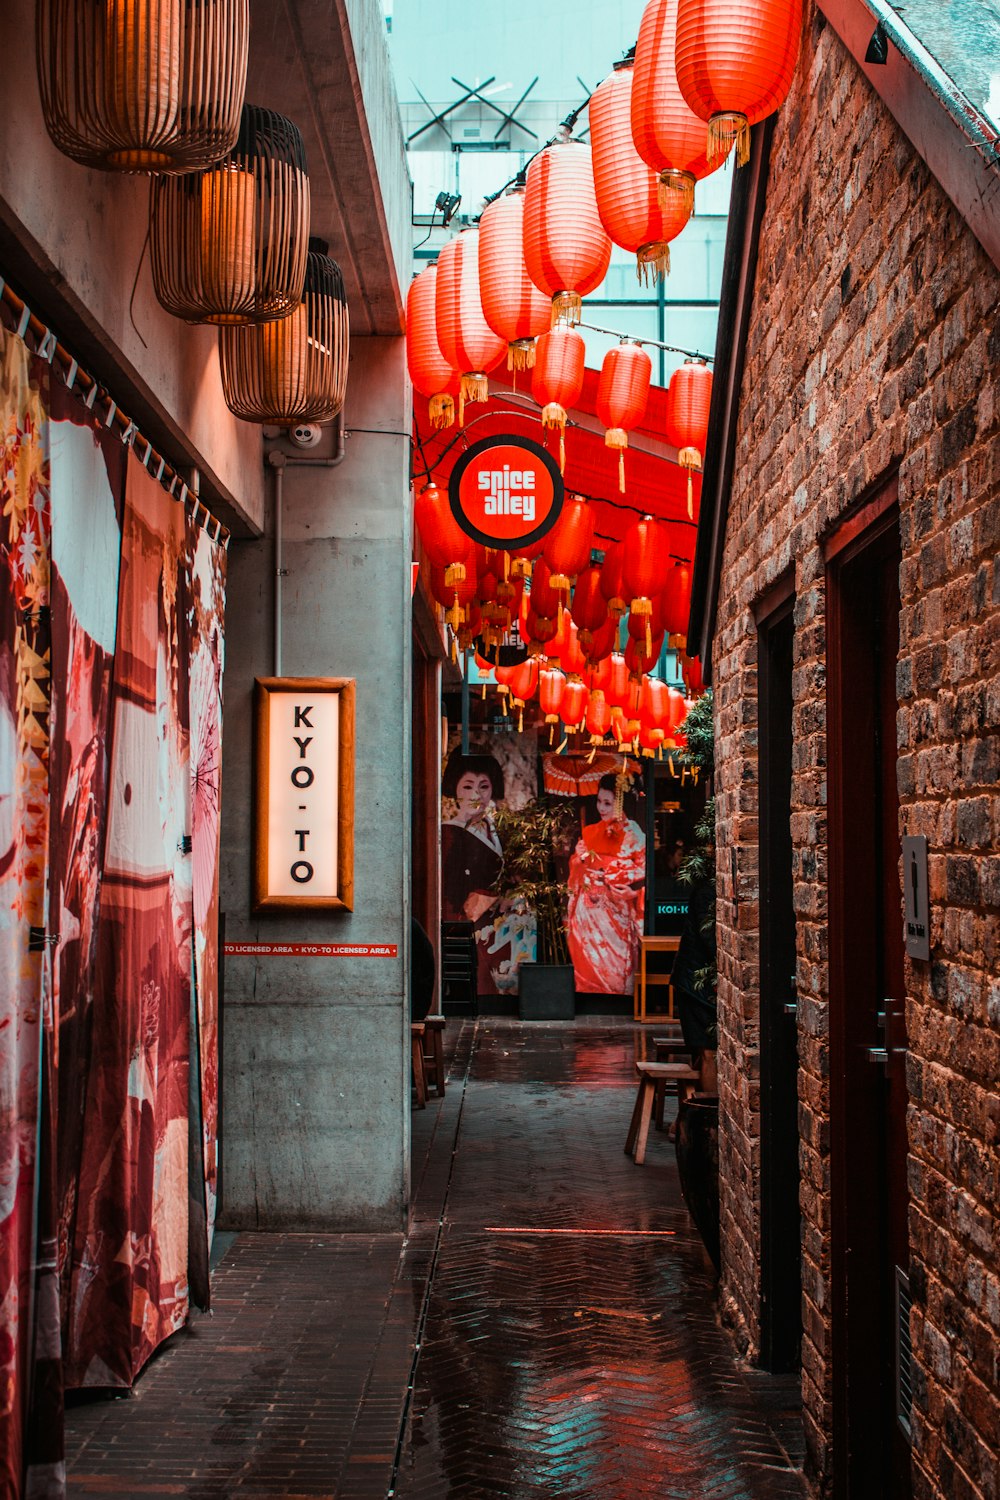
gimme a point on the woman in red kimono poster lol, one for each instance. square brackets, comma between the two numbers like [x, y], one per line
[607, 874]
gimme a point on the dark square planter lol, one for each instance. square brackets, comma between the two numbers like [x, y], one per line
[546, 992]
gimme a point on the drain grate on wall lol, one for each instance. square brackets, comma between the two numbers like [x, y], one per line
[904, 1352]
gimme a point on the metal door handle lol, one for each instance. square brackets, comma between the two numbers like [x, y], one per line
[878, 1055]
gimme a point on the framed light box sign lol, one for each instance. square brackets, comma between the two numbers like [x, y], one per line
[304, 794]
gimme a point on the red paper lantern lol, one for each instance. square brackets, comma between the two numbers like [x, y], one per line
[430, 372]
[603, 642]
[735, 60]
[598, 720]
[691, 672]
[524, 681]
[455, 595]
[655, 709]
[617, 690]
[557, 379]
[668, 135]
[640, 657]
[551, 686]
[628, 195]
[567, 546]
[539, 631]
[465, 338]
[566, 247]
[514, 307]
[675, 605]
[689, 401]
[612, 586]
[545, 597]
[622, 393]
[590, 608]
[571, 656]
[597, 675]
[574, 704]
[643, 566]
[444, 541]
[678, 710]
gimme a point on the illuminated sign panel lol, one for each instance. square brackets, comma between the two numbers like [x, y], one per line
[506, 492]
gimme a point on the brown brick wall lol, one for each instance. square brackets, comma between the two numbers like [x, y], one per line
[875, 340]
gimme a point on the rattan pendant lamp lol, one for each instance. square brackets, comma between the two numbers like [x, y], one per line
[142, 85]
[229, 244]
[293, 369]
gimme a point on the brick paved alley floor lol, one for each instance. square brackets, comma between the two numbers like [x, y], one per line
[548, 1329]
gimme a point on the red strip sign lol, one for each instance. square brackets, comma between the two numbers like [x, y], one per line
[311, 950]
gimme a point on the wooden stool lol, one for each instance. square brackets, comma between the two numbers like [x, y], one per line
[434, 1052]
[417, 1058]
[651, 1076]
[667, 1049]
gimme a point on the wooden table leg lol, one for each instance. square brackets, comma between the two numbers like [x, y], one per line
[634, 1126]
[646, 1092]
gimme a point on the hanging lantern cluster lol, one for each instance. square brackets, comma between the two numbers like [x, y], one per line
[430, 372]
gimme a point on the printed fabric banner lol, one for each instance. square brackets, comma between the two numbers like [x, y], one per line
[129, 1277]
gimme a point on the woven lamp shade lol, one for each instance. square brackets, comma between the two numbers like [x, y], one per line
[513, 305]
[628, 194]
[668, 135]
[431, 374]
[293, 369]
[229, 244]
[622, 393]
[566, 247]
[735, 60]
[465, 338]
[142, 85]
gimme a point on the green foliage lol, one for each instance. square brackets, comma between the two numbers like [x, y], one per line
[699, 865]
[699, 731]
[698, 868]
[530, 837]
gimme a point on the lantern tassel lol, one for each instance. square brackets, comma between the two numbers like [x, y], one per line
[520, 719]
[567, 307]
[441, 410]
[652, 262]
[621, 471]
[553, 415]
[562, 450]
[454, 573]
[673, 185]
[521, 354]
[725, 128]
[475, 387]
[690, 495]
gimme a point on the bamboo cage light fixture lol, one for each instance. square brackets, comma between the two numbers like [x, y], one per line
[293, 369]
[142, 85]
[229, 244]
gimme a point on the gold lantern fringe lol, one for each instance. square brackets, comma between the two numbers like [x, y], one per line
[690, 459]
[645, 607]
[616, 608]
[723, 129]
[521, 354]
[567, 308]
[475, 387]
[441, 410]
[520, 567]
[652, 262]
[617, 437]
[454, 573]
[229, 245]
[677, 642]
[143, 85]
[554, 415]
[673, 184]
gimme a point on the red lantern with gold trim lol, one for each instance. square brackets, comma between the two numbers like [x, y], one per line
[513, 305]
[430, 372]
[622, 393]
[545, 597]
[557, 379]
[643, 565]
[691, 672]
[574, 704]
[571, 657]
[612, 586]
[628, 194]
[598, 720]
[523, 685]
[668, 134]
[567, 546]
[617, 690]
[444, 541]
[689, 401]
[551, 686]
[675, 605]
[566, 247]
[641, 657]
[465, 338]
[735, 61]
[603, 642]
[590, 608]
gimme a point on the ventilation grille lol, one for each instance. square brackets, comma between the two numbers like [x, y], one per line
[904, 1352]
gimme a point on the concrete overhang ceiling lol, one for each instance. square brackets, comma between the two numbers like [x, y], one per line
[325, 64]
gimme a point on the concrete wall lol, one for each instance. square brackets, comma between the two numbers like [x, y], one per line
[78, 236]
[316, 1051]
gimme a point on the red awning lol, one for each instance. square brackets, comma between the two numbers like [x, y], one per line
[655, 483]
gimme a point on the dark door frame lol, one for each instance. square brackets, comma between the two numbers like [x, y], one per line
[780, 1212]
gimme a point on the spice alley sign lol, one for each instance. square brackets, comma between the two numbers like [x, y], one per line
[506, 492]
[304, 794]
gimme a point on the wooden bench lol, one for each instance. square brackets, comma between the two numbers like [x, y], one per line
[417, 1031]
[653, 1076]
[434, 1052]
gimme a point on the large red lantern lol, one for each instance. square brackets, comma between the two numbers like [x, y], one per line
[513, 305]
[622, 393]
[590, 608]
[455, 595]
[540, 631]
[612, 586]
[617, 690]
[523, 685]
[689, 401]
[628, 195]
[668, 135]
[602, 642]
[551, 686]
[735, 60]
[675, 605]
[691, 672]
[571, 656]
[574, 704]
[430, 372]
[597, 675]
[545, 598]
[598, 720]
[567, 546]
[465, 338]
[557, 379]
[643, 565]
[641, 656]
[444, 541]
[566, 247]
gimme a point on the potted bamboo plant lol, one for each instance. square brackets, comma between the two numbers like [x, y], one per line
[530, 837]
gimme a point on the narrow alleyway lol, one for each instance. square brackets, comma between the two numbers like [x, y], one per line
[548, 1330]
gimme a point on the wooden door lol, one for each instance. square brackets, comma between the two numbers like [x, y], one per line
[869, 1243]
[781, 1218]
